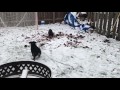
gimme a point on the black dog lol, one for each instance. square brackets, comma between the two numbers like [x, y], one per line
[35, 50]
[50, 33]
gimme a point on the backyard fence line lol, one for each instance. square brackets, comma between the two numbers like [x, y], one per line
[107, 23]
[12, 19]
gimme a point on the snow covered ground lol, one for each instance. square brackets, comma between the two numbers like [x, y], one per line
[97, 60]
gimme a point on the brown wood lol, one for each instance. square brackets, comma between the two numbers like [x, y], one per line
[105, 23]
[109, 24]
[94, 16]
[97, 23]
[114, 23]
[118, 30]
[53, 17]
[101, 22]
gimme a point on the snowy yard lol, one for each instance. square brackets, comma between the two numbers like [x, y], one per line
[98, 60]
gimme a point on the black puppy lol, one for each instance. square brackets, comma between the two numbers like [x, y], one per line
[50, 33]
[35, 50]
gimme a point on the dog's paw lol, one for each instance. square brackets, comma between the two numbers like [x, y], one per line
[33, 59]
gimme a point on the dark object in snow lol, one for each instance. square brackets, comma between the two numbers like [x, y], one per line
[91, 31]
[25, 46]
[117, 38]
[65, 45]
[98, 56]
[81, 36]
[86, 47]
[61, 33]
[93, 27]
[93, 38]
[106, 41]
[35, 50]
[43, 35]
[70, 36]
[104, 50]
[50, 33]
[109, 36]
[27, 37]
[38, 33]
[42, 44]
[22, 35]
[57, 35]
[75, 38]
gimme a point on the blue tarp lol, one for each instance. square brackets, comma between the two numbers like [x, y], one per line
[71, 20]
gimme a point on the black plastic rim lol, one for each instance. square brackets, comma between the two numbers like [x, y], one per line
[16, 68]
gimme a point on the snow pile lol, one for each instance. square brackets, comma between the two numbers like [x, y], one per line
[91, 58]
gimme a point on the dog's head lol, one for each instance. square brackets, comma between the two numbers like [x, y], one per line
[50, 30]
[32, 43]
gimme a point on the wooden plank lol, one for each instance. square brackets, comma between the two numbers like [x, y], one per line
[97, 22]
[118, 30]
[94, 17]
[48, 16]
[114, 24]
[109, 24]
[53, 17]
[90, 18]
[36, 20]
[88, 15]
[105, 23]
[101, 22]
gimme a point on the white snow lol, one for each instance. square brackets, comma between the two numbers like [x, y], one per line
[100, 60]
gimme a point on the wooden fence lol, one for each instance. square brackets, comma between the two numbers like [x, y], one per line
[106, 23]
[51, 17]
[11, 19]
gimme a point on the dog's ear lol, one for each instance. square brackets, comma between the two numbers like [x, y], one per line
[30, 42]
[34, 42]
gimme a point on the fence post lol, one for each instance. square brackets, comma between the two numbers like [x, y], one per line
[95, 18]
[88, 15]
[92, 16]
[101, 22]
[109, 24]
[53, 17]
[97, 23]
[105, 23]
[115, 16]
[118, 30]
[36, 19]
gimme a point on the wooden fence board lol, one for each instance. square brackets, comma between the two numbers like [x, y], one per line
[109, 24]
[101, 22]
[105, 23]
[97, 23]
[115, 15]
[118, 30]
